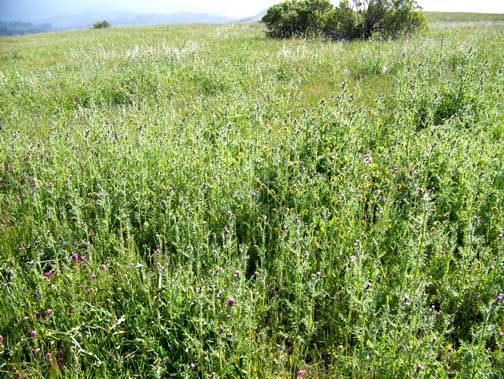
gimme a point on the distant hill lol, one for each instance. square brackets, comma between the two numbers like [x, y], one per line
[84, 20]
[464, 17]
[10, 28]
[255, 18]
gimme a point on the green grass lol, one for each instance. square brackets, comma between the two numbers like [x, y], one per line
[348, 197]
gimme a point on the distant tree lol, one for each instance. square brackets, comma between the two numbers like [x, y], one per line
[104, 24]
[359, 19]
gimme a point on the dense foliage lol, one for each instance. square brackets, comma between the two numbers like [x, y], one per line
[206, 202]
[104, 24]
[359, 20]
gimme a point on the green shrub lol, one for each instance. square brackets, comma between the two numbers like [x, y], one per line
[104, 24]
[298, 18]
[356, 20]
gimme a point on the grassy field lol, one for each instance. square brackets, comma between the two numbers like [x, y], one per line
[202, 202]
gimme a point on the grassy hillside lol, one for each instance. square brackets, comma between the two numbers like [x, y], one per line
[464, 17]
[202, 202]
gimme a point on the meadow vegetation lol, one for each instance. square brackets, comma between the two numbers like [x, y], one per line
[206, 202]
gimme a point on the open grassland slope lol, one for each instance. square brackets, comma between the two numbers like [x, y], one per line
[203, 202]
[464, 17]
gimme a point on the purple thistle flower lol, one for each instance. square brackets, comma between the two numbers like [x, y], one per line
[1, 340]
[368, 286]
[48, 356]
[75, 257]
[237, 274]
[92, 276]
[36, 350]
[33, 334]
[301, 372]
[193, 366]
[60, 359]
[231, 302]
[49, 274]
[221, 329]
[82, 258]
[501, 334]
[38, 314]
[500, 298]
[318, 274]
[49, 312]
[104, 267]
[419, 367]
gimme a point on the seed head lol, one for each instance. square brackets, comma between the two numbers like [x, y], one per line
[368, 159]
[92, 276]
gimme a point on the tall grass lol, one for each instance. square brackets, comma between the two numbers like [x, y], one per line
[198, 202]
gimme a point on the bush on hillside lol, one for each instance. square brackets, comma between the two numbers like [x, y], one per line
[294, 18]
[104, 24]
[356, 20]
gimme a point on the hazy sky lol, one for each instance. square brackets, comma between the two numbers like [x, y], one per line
[39, 9]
